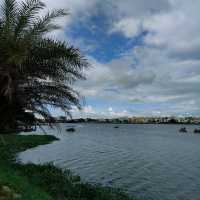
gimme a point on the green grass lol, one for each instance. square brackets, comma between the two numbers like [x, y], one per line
[45, 182]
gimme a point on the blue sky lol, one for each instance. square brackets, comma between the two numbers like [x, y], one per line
[102, 46]
[144, 55]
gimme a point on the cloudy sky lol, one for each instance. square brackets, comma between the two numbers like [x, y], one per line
[145, 55]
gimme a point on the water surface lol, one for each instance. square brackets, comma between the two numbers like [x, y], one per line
[149, 161]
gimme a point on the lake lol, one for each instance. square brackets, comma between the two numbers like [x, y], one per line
[148, 161]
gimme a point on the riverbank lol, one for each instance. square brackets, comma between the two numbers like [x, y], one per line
[43, 182]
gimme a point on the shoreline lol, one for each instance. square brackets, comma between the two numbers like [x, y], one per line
[44, 182]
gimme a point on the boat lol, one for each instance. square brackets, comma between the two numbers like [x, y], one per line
[70, 129]
[197, 131]
[183, 130]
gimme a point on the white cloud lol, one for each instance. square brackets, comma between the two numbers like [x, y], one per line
[157, 78]
[88, 110]
[129, 26]
[91, 112]
[128, 16]
[110, 109]
[164, 71]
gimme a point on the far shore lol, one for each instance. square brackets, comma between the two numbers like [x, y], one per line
[131, 120]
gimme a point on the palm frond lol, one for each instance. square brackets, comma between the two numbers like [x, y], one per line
[9, 12]
[44, 25]
[27, 14]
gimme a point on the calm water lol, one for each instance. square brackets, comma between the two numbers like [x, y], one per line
[149, 161]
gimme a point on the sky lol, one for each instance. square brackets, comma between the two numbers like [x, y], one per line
[144, 55]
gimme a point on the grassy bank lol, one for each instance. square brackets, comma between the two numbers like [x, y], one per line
[43, 182]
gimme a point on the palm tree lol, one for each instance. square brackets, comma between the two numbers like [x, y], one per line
[36, 71]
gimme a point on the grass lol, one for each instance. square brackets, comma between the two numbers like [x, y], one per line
[44, 182]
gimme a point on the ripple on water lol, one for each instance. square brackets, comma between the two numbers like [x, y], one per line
[151, 162]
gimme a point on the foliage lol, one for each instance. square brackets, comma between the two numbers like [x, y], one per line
[12, 177]
[36, 71]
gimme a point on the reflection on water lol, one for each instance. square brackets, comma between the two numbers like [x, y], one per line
[150, 161]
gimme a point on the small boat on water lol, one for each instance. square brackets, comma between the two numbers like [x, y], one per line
[70, 129]
[116, 127]
[183, 130]
[197, 131]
